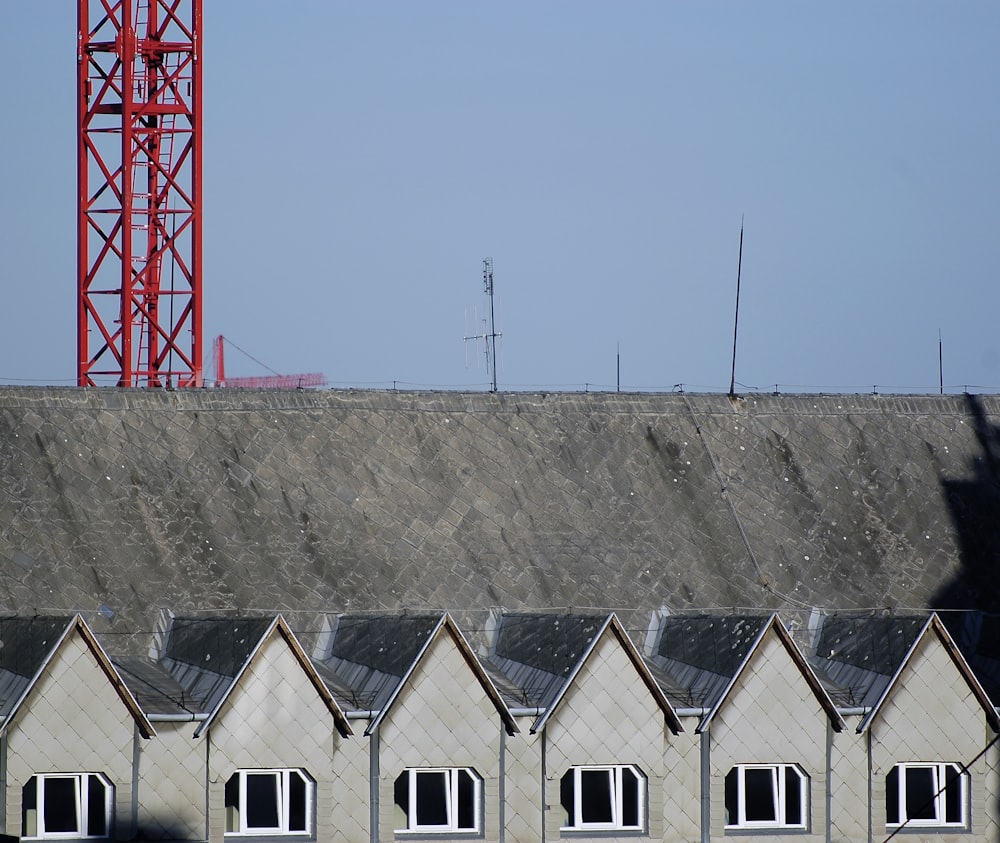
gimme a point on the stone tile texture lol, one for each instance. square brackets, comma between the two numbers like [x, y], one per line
[356, 500]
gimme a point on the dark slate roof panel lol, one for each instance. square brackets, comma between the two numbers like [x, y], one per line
[200, 659]
[218, 645]
[369, 654]
[856, 656]
[536, 652]
[714, 643]
[977, 636]
[550, 642]
[156, 691]
[25, 643]
[701, 653]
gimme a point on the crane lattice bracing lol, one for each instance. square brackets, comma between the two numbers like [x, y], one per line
[139, 309]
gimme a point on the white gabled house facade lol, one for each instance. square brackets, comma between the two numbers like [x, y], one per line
[767, 738]
[929, 740]
[68, 746]
[436, 747]
[270, 745]
[606, 757]
[606, 741]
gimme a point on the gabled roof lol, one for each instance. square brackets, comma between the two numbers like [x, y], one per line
[700, 653]
[196, 664]
[362, 658]
[855, 655]
[713, 651]
[613, 626]
[934, 627]
[531, 654]
[28, 646]
[280, 627]
[447, 626]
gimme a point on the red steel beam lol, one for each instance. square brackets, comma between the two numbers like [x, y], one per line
[139, 169]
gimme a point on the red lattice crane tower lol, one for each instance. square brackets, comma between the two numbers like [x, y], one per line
[139, 254]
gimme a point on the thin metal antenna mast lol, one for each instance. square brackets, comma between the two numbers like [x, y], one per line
[491, 337]
[736, 326]
[940, 364]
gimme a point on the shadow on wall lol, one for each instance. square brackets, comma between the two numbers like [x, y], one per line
[163, 830]
[974, 504]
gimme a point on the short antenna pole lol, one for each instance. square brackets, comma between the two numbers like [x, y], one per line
[736, 325]
[940, 364]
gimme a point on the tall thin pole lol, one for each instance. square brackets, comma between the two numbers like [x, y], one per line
[736, 325]
[940, 365]
[491, 338]
[618, 361]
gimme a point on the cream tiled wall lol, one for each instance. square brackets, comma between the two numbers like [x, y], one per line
[849, 785]
[932, 715]
[682, 785]
[72, 722]
[275, 717]
[609, 716]
[441, 718]
[523, 785]
[771, 716]
[172, 784]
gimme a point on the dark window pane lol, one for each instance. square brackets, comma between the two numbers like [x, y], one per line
[892, 796]
[97, 822]
[29, 802]
[567, 797]
[59, 805]
[233, 791]
[432, 798]
[630, 799]
[296, 802]
[760, 797]
[920, 793]
[953, 795]
[401, 794]
[595, 796]
[793, 797]
[732, 797]
[466, 800]
[262, 800]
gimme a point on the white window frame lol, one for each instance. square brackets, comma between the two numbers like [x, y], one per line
[615, 773]
[452, 790]
[779, 794]
[282, 777]
[82, 807]
[938, 779]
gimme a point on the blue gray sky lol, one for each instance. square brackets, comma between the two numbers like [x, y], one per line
[361, 159]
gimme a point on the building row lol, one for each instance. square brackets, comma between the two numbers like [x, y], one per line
[555, 726]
